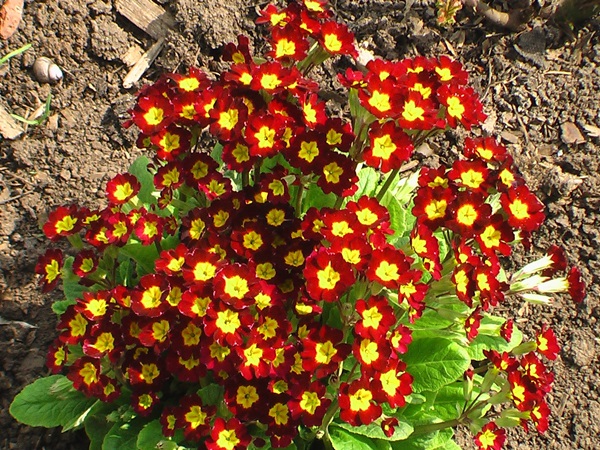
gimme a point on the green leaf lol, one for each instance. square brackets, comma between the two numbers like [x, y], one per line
[123, 435]
[60, 306]
[211, 394]
[314, 196]
[143, 255]
[446, 402]
[435, 362]
[51, 402]
[368, 180]
[489, 337]
[432, 441]
[139, 169]
[402, 431]
[71, 287]
[97, 425]
[151, 437]
[344, 440]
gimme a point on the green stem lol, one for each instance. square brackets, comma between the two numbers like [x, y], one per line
[432, 427]
[387, 184]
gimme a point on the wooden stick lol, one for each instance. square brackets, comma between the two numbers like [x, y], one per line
[142, 65]
[147, 15]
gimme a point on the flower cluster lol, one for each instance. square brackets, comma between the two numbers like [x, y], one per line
[251, 291]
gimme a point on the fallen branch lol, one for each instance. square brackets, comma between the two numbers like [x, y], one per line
[513, 20]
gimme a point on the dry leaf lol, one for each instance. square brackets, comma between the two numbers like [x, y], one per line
[592, 130]
[10, 16]
[570, 134]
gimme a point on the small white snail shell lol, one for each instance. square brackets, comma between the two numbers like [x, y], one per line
[46, 71]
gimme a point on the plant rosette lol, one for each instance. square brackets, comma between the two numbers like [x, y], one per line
[276, 277]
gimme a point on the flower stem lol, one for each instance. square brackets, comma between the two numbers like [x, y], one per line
[387, 184]
[432, 427]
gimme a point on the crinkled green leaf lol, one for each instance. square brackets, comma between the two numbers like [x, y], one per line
[51, 402]
[342, 439]
[151, 438]
[314, 196]
[60, 306]
[489, 337]
[435, 362]
[139, 169]
[437, 440]
[373, 430]
[368, 180]
[123, 435]
[143, 255]
[71, 287]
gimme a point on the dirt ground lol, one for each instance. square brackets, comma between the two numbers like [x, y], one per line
[540, 88]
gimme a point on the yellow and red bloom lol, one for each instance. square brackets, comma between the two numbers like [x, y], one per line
[195, 417]
[228, 435]
[49, 266]
[376, 317]
[239, 53]
[327, 275]
[288, 43]
[122, 188]
[432, 205]
[85, 375]
[63, 221]
[387, 267]
[490, 437]
[389, 147]
[462, 105]
[417, 112]
[337, 39]
[523, 208]
[171, 141]
[309, 403]
[153, 111]
[448, 70]
[149, 298]
[323, 350]
[396, 384]
[547, 344]
[357, 402]
[486, 149]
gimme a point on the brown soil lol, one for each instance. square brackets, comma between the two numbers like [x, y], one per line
[531, 83]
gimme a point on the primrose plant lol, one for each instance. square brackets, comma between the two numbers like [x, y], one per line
[274, 275]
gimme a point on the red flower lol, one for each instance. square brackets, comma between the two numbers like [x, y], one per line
[327, 275]
[357, 402]
[462, 105]
[337, 39]
[171, 142]
[85, 375]
[376, 317]
[576, 285]
[228, 435]
[487, 149]
[418, 113]
[63, 221]
[121, 188]
[396, 384]
[323, 350]
[450, 71]
[194, 81]
[387, 267]
[490, 437]
[288, 43]
[49, 266]
[309, 403]
[547, 344]
[389, 147]
[523, 208]
[153, 111]
[195, 417]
